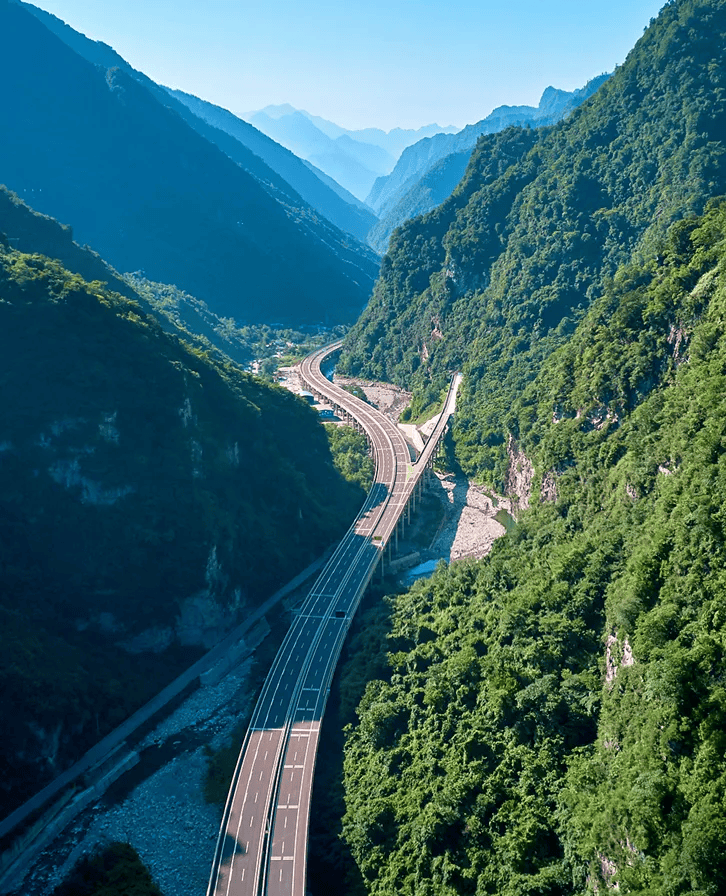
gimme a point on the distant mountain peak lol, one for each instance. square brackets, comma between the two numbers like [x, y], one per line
[274, 111]
[353, 158]
[106, 150]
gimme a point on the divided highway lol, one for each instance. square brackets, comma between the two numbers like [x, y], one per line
[262, 846]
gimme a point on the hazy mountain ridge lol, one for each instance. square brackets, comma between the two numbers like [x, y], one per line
[353, 158]
[346, 212]
[148, 192]
[398, 196]
[393, 141]
[296, 132]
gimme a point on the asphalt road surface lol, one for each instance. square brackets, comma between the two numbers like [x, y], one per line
[262, 846]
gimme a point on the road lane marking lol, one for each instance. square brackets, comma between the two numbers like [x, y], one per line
[379, 438]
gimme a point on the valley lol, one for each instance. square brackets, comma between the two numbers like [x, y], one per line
[530, 696]
[454, 520]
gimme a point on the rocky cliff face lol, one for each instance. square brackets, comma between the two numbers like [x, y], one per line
[520, 472]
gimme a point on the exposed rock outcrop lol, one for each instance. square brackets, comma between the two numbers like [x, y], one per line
[520, 472]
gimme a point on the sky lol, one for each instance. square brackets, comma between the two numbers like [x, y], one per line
[366, 63]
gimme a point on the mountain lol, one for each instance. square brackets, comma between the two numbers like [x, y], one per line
[393, 141]
[368, 154]
[550, 720]
[298, 133]
[400, 195]
[341, 191]
[177, 312]
[338, 206]
[435, 185]
[151, 497]
[96, 148]
[354, 158]
[499, 275]
[396, 140]
[27, 231]
[271, 157]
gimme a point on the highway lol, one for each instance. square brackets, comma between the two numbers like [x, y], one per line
[262, 845]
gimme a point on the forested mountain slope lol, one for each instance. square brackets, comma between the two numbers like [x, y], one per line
[96, 149]
[265, 157]
[177, 312]
[347, 214]
[422, 194]
[150, 497]
[553, 720]
[28, 231]
[422, 156]
[430, 173]
[499, 275]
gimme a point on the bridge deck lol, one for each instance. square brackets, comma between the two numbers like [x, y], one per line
[262, 846]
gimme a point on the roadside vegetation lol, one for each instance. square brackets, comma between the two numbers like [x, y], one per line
[114, 870]
[351, 456]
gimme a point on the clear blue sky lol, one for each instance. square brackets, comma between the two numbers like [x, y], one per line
[360, 63]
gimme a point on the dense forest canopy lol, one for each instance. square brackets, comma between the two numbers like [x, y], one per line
[551, 720]
[500, 274]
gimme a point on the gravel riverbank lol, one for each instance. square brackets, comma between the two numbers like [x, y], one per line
[162, 812]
